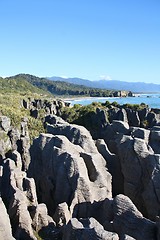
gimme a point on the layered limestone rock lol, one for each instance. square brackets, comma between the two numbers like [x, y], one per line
[112, 131]
[19, 194]
[154, 139]
[5, 226]
[140, 133]
[85, 229]
[13, 139]
[24, 144]
[76, 134]
[138, 153]
[49, 106]
[5, 123]
[64, 172]
[114, 167]
[128, 220]
[140, 168]
[62, 214]
[5, 144]
[119, 219]
[72, 175]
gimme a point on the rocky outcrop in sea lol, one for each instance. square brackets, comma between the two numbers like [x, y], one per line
[69, 185]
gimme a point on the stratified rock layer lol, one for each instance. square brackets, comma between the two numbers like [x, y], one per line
[64, 172]
[5, 226]
[73, 177]
[19, 194]
[128, 220]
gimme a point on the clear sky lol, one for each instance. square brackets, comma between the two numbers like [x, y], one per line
[91, 39]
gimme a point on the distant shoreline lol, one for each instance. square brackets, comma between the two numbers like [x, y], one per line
[152, 100]
[79, 98]
[88, 97]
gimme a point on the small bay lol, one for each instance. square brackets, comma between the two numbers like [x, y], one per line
[151, 99]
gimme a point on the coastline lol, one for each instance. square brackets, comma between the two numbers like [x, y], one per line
[152, 100]
[81, 98]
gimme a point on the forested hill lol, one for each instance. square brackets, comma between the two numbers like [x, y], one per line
[26, 82]
[18, 84]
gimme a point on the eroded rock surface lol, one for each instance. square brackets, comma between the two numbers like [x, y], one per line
[74, 178]
[128, 220]
[85, 229]
[64, 172]
[5, 226]
[76, 134]
[19, 194]
[140, 168]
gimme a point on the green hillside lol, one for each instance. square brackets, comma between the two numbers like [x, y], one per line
[12, 91]
[30, 83]
[18, 85]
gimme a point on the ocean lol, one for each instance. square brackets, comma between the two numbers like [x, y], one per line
[151, 99]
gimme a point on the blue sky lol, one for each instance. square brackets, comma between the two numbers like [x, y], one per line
[91, 39]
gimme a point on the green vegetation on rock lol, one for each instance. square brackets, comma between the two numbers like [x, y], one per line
[10, 106]
[135, 107]
[77, 114]
[72, 115]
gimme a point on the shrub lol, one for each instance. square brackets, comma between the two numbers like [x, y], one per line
[135, 107]
[115, 104]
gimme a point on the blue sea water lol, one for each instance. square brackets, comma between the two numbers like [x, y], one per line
[152, 100]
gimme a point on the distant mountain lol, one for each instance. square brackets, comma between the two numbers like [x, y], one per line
[78, 81]
[112, 84]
